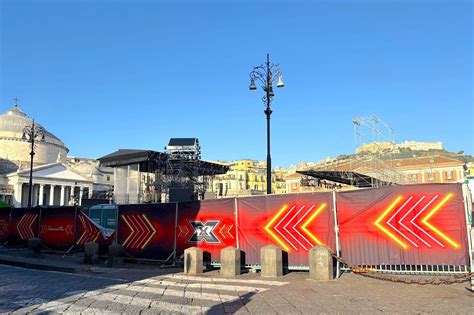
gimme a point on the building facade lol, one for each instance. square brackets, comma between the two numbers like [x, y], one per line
[57, 179]
[246, 178]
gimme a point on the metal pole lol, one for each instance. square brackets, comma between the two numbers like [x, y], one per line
[32, 153]
[268, 112]
[467, 196]
[336, 232]
[236, 216]
[175, 228]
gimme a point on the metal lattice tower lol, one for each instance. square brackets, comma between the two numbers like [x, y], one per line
[374, 139]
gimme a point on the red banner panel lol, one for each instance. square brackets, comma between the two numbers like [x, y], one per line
[293, 222]
[4, 224]
[147, 231]
[209, 225]
[23, 225]
[408, 225]
[89, 231]
[57, 227]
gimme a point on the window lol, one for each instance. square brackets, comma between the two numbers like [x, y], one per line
[449, 175]
[414, 177]
[431, 176]
[108, 178]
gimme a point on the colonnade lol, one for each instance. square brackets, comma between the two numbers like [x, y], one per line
[50, 194]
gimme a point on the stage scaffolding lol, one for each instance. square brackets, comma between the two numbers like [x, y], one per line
[144, 176]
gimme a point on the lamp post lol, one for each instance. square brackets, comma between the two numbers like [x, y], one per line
[32, 133]
[266, 74]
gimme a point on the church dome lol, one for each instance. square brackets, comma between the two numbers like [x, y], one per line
[15, 149]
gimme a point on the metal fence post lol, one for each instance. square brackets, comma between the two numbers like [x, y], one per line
[39, 223]
[467, 198]
[236, 212]
[116, 224]
[336, 233]
[175, 227]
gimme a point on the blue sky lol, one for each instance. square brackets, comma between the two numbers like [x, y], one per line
[104, 75]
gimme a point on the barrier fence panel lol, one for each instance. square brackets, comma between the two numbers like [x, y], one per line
[409, 229]
[24, 223]
[404, 227]
[4, 224]
[293, 222]
[89, 231]
[57, 227]
[209, 225]
[146, 231]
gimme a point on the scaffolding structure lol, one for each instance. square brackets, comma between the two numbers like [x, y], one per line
[372, 131]
[142, 176]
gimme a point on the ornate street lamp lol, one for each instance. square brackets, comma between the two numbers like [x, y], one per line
[32, 133]
[266, 74]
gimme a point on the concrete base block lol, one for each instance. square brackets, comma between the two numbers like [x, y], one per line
[320, 263]
[115, 255]
[230, 262]
[193, 261]
[91, 253]
[34, 247]
[271, 260]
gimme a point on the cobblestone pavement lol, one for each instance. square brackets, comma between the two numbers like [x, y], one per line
[168, 291]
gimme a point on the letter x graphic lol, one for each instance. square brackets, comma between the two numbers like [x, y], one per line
[204, 232]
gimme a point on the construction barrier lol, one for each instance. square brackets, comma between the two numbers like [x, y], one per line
[395, 225]
[59, 228]
[146, 231]
[404, 225]
[409, 225]
[4, 224]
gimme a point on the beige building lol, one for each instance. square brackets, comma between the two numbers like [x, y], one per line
[378, 147]
[57, 180]
[433, 169]
[247, 177]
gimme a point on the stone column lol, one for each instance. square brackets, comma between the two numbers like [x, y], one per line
[80, 194]
[62, 195]
[41, 197]
[230, 262]
[71, 195]
[34, 195]
[320, 263]
[271, 260]
[193, 260]
[51, 195]
[17, 195]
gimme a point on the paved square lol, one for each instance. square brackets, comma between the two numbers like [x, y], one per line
[169, 291]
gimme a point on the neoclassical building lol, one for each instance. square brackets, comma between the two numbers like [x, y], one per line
[57, 179]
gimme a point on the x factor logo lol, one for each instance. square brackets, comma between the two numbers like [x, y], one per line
[204, 232]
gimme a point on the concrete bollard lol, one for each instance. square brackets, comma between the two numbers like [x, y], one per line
[115, 255]
[230, 262]
[320, 263]
[271, 259]
[91, 253]
[34, 247]
[193, 261]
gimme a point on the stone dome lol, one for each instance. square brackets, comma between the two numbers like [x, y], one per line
[15, 150]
